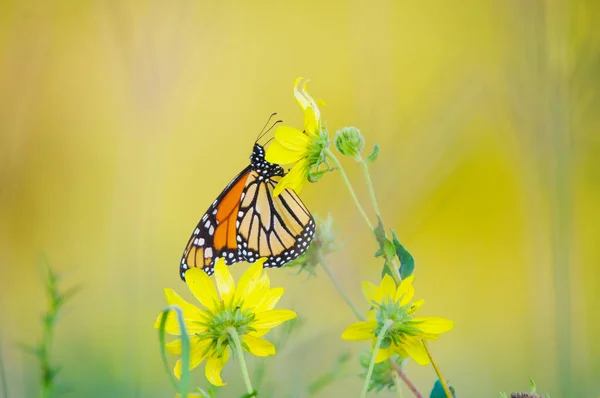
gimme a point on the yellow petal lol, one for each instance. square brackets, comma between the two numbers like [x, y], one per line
[214, 365]
[383, 354]
[270, 300]
[311, 123]
[433, 325]
[225, 282]
[249, 279]
[415, 349]
[257, 346]
[388, 287]
[415, 306]
[292, 138]
[270, 319]
[277, 153]
[202, 287]
[305, 100]
[360, 331]
[406, 291]
[295, 179]
[371, 292]
[197, 355]
[191, 315]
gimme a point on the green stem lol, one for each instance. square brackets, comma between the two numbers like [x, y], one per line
[338, 165]
[396, 378]
[240, 354]
[380, 338]
[365, 168]
[340, 288]
[437, 371]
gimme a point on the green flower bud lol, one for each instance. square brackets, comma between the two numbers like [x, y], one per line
[349, 141]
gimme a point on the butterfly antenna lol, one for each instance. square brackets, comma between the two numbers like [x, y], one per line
[265, 126]
[269, 129]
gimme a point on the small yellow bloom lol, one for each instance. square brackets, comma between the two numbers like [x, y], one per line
[405, 335]
[248, 308]
[304, 147]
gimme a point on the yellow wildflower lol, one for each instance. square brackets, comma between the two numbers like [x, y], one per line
[305, 148]
[406, 331]
[246, 310]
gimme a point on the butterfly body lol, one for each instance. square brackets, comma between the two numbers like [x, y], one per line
[247, 222]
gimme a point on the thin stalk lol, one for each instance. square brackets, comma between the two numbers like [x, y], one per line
[396, 378]
[240, 354]
[406, 380]
[380, 338]
[338, 165]
[365, 168]
[437, 371]
[340, 288]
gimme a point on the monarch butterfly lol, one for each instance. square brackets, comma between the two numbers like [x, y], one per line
[246, 222]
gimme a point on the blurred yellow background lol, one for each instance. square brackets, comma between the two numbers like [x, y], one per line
[121, 121]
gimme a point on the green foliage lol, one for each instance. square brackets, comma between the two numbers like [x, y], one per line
[373, 156]
[184, 385]
[438, 390]
[383, 372]
[407, 261]
[56, 301]
[386, 248]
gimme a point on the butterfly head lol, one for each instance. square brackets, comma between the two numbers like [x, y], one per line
[260, 165]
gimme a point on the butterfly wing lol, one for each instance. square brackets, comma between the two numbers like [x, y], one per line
[216, 234]
[278, 228]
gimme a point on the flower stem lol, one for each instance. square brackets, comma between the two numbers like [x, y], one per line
[240, 354]
[406, 380]
[380, 338]
[340, 288]
[365, 168]
[437, 371]
[396, 378]
[338, 165]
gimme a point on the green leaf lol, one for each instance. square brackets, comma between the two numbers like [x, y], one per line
[503, 395]
[253, 394]
[184, 386]
[438, 391]
[407, 261]
[532, 385]
[373, 156]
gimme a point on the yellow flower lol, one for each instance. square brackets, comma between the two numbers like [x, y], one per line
[406, 332]
[247, 308]
[302, 147]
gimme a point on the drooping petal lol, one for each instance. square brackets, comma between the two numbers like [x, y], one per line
[295, 179]
[277, 153]
[433, 325]
[269, 300]
[383, 354]
[291, 138]
[371, 292]
[214, 365]
[270, 319]
[202, 287]
[249, 279]
[257, 346]
[388, 287]
[415, 349]
[197, 355]
[406, 291]
[360, 331]
[225, 282]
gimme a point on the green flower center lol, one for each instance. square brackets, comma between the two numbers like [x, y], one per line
[402, 322]
[222, 318]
